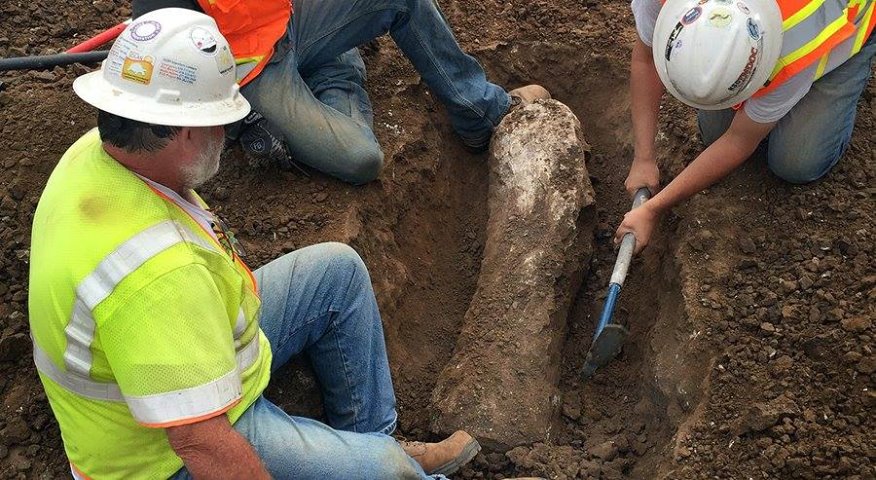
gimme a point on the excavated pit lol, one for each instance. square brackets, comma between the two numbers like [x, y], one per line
[426, 268]
[751, 347]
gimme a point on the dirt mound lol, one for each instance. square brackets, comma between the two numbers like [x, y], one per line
[751, 347]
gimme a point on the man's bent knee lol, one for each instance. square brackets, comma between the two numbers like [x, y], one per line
[363, 166]
[799, 168]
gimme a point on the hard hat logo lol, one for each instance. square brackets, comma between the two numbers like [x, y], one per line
[139, 71]
[145, 31]
[747, 72]
[692, 15]
[720, 17]
[753, 30]
[204, 41]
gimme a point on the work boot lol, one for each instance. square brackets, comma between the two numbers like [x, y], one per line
[519, 97]
[446, 456]
[528, 94]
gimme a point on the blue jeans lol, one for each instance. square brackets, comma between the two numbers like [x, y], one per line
[318, 301]
[313, 88]
[808, 141]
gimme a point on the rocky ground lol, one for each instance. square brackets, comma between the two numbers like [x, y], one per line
[751, 316]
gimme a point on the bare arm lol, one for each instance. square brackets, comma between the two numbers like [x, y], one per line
[716, 162]
[212, 449]
[646, 92]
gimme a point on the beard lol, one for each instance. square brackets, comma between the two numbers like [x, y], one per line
[206, 164]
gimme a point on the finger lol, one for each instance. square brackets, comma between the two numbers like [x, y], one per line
[619, 234]
[640, 245]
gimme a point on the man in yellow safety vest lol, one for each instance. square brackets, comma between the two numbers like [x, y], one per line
[153, 339]
[788, 71]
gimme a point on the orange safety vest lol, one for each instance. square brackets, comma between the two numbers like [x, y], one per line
[252, 28]
[825, 31]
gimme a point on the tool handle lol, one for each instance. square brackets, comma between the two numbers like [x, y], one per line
[51, 61]
[100, 39]
[628, 244]
[607, 309]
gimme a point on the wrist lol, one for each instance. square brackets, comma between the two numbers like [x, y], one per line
[646, 157]
[655, 207]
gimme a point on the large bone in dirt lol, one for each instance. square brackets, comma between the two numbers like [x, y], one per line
[501, 383]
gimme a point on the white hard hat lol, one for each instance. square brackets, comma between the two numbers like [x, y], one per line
[713, 54]
[169, 67]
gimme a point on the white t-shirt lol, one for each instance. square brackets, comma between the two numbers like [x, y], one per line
[766, 109]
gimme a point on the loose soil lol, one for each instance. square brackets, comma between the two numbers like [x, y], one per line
[751, 352]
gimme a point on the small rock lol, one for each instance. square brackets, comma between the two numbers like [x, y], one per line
[852, 357]
[13, 347]
[572, 406]
[17, 192]
[867, 365]
[782, 364]
[682, 452]
[19, 461]
[767, 327]
[762, 416]
[16, 430]
[320, 197]
[7, 204]
[788, 286]
[857, 324]
[220, 193]
[746, 244]
[45, 76]
[606, 451]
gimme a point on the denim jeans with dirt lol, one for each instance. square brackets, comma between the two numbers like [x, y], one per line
[807, 142]
[318, 301]
[313, 87]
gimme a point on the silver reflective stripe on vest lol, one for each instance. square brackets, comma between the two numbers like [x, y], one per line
[98, 285]
[244, 69]
[186, 404]
[75, 383]
[84, 386]
[797, 36]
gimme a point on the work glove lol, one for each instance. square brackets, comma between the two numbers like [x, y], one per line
[262, 142]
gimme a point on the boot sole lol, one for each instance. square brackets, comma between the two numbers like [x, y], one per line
[470, 450]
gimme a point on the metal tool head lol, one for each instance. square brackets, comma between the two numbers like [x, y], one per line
[604, 348]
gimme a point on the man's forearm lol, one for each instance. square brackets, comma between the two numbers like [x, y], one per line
[213, 449]
[646, 92]
[716, 162]
[232, 458]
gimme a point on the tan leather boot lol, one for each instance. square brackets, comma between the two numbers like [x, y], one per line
[519, 97]
[446, 456]
[528, 94]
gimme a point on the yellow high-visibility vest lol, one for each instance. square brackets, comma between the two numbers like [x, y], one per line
[140, 318]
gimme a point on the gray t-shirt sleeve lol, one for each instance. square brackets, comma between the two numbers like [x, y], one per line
[776, 104]
[645, 12]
